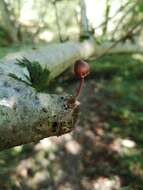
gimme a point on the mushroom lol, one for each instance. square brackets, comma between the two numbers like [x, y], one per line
[81, 69]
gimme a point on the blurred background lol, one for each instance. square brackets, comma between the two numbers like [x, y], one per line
[105, 151]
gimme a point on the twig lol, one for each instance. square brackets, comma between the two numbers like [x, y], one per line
[121, 20]
[129, 33]
[107, 11]
[110, 18]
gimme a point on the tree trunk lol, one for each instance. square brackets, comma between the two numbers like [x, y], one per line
[84, 30]
[7, 22]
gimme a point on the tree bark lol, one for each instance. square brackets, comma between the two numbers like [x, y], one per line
[28, 116]
[7, 22]
[56, 58]
[84, 30]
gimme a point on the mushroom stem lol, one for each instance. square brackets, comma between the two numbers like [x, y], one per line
[79, 88]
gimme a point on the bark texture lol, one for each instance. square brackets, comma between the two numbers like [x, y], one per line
[28, 116]
[56, 58]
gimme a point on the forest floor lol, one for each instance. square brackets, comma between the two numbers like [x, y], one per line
[105, 150]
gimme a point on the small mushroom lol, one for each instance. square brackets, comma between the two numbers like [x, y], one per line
[81, 69]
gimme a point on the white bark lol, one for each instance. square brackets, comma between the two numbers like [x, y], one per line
[56, 58]
[28, 116]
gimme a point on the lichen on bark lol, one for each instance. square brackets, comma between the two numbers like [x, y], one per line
[28, 116]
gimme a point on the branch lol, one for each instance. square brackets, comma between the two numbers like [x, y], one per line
[107, 11]
[122, 48]
[56, 58]
[84, 30]
[123, 17]
[27, 115]
[112, 17]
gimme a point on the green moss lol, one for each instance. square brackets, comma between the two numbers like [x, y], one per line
[38, 76]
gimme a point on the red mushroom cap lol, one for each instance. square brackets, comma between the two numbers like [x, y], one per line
[81, 68]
